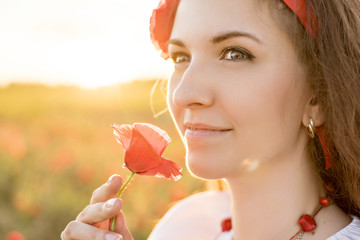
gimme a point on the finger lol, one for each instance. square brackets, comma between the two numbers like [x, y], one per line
[121, 227]
[100, 212]
[80, 231]
[107, 190]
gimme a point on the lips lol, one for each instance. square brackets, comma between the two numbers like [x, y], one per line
[197, 131]
[205, 127]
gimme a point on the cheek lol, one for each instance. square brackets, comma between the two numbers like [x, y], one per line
[174, 110]
[267, 113]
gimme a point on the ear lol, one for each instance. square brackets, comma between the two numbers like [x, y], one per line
[313, 111]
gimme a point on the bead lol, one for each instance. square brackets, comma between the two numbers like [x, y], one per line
[307, 223]
[226, 225]
[324, 201]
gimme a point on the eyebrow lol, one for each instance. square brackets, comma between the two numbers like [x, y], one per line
[176, 42]
[233, 34]
[220, 38]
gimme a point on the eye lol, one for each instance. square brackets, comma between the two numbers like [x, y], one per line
[236, 54]
[179, 57]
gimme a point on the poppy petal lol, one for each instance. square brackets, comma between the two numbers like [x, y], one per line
[167, 169]
[140, 155]
[123, 134]
[144, 144]
[157, 137]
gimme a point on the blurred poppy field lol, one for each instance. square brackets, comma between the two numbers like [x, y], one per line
[57, 146]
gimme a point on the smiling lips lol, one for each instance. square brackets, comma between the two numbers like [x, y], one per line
[203, 130]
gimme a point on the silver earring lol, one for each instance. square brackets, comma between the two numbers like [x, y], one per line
[311, 128]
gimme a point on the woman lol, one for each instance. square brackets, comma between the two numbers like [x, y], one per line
[265, 94]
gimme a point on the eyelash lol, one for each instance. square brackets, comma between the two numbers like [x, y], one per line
[244, 53]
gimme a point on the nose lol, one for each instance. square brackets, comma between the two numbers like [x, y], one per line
[192, 89]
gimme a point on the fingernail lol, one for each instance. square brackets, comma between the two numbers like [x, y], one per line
[110, 179]
[113, 236]
[110, 203]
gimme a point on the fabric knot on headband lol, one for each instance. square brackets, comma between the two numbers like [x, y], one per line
[306, 15]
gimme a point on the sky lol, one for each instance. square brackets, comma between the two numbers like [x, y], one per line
[88, 43]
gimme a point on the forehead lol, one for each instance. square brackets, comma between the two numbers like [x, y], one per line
[204, 18]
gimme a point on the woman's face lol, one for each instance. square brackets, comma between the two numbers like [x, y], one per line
[238, 92]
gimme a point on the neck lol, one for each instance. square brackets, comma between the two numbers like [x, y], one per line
[273, 197]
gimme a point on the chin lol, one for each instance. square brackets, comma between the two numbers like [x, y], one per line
[204, 168]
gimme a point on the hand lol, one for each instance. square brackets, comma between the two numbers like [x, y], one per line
[94, 221]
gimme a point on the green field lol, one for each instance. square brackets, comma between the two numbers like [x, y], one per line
[57, 146]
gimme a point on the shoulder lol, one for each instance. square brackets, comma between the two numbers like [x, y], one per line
[350, 232]
[198, 216]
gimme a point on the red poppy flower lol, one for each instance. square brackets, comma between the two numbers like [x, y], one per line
[144, 144]
[14, 236]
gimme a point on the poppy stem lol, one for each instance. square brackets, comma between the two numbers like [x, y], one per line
[118, 195]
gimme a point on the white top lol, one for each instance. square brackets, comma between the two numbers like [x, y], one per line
[199, 217]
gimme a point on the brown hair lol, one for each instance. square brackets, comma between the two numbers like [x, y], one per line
[333, 63]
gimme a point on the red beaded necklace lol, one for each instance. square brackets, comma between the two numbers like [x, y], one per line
[307, 222]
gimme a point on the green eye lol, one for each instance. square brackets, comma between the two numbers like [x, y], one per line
[236, 54]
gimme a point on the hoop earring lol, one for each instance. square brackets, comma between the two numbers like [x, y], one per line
[311, 128]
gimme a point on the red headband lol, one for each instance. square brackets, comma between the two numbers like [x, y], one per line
[161, 23]
[300, 9]
[162, 20]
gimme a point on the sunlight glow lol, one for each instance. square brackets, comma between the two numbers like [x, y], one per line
[250, 164]
[89, 43]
